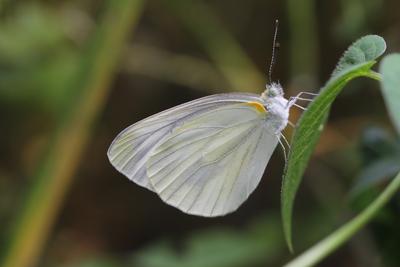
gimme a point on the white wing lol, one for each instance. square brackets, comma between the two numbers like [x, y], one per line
[131, 149]
[212, 162]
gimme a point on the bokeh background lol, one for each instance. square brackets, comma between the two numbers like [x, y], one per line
[73, 74]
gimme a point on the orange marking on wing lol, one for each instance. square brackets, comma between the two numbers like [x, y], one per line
[259, 107]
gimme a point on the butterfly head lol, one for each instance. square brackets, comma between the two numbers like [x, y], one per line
[276, 105]
[272, 90]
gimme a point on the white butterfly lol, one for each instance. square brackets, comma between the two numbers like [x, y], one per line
[205, 157]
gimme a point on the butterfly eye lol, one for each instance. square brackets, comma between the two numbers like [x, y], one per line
[274, 89]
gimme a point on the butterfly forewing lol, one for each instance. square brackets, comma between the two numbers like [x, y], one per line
[131, 149]
[211, 162]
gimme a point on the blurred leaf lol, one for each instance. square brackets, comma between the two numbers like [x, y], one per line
[313, 119]
[34, 45]
[376, 173]
[219, 248]
[55, 172]
[29, 33]
[303, 23]
[377, 143]
[390, 69]
[180, 69]
[326, 246]
[363, 50]
[224, 50]
[45, 85]
[357, 17]
[98, 262]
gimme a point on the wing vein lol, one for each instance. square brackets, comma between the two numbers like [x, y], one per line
[217, 160]
[239, 170]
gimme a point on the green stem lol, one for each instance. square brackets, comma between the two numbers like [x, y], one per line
[374, 75]
[172, 67]
[54, 175]
[319, 251]
[303, 40]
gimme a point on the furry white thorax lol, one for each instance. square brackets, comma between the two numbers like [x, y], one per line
[277, 106]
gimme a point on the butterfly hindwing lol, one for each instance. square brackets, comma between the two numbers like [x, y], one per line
[211, 163]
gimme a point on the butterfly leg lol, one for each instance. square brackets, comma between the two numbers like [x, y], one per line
[293, 99]
[285, 142]
[283, 149]
[291, 124]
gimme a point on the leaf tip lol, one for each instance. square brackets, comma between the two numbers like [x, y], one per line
[287, 228]
[290, 245]
[367, 48]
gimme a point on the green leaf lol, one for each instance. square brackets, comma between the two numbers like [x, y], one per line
[326, 246]
[312, 121]
[363, 50]
[390, 70]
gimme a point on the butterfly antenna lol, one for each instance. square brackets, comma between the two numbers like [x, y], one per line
[274, 46]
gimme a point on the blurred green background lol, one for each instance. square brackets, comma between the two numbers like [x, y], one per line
[73, 74]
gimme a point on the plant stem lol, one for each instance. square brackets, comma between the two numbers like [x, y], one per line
[374, 75]
[54, 175]
[218, 42]
[184, 70]
[323, 248]
[303, 41]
